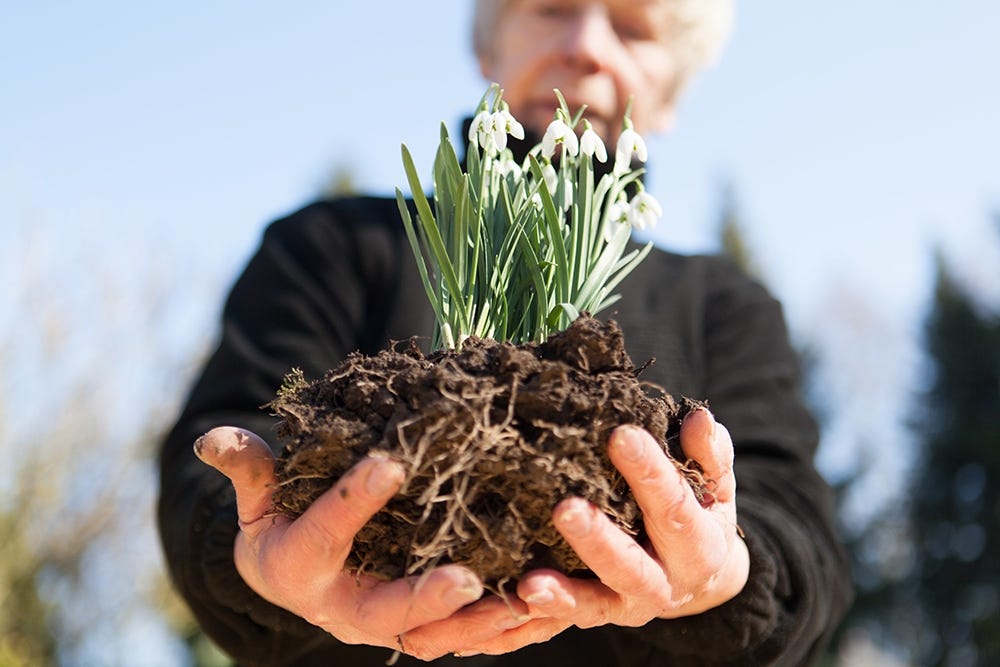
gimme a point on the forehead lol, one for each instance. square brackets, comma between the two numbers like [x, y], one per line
[653, 10]
[611, 4]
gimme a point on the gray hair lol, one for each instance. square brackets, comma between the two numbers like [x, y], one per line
[702, 30]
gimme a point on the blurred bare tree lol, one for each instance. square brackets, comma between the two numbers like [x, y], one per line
[91, 372]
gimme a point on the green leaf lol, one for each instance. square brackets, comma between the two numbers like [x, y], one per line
[555, 225]
[438, 252]
[418, 255]
[602, 269]
[561, 310]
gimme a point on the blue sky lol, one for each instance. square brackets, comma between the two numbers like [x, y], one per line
[856, 134]
[148, 143]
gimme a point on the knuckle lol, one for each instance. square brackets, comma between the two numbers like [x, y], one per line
[674, 506]
[599, 614]
[713, 561]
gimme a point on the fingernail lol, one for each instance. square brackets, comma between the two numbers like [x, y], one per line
[542, 597]
[576, 522]
[711, 420]
[384, 477]
[511, 622]
[199, 445]
[469, 591]
[628, 443]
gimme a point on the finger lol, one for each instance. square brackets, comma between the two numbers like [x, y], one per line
[708, 442]
[617, 559]
[585, 603]
[535, 631]
[478, 628]
[545, 593]
[405, 604]
[248, 462]
[323, 534]
[688, 539]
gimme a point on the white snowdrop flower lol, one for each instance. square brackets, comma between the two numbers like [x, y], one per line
[506, 165]
[591, 143]
[491, 137]
[490, 130]
[567, 196]
[629, 144]
[619, 214]
[505, 119]
[550, 177]
[476, 130]
[644, 210]
[558, 132]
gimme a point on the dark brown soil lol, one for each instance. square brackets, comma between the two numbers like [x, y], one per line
[492, 437]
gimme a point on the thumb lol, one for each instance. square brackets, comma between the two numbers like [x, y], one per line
[708, 442]
[248, 462]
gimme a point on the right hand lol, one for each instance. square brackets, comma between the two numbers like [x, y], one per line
[299, 564]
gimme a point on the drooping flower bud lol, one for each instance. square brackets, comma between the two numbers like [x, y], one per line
[629, 143]
[591, 143]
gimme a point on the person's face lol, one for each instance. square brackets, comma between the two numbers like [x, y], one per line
[595, 53]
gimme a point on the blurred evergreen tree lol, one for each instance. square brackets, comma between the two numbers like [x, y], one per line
[928, 570]
[341, 182]
[955, 506]
[732, 241]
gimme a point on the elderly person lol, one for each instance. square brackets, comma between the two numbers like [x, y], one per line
[756, 578]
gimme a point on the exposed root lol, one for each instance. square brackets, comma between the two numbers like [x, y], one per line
[492, 437]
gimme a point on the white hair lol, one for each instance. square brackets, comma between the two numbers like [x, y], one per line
[701, 30]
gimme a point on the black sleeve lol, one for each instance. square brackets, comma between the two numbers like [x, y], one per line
[799, 585]
[302, 301]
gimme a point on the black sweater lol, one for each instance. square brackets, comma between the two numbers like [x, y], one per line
[338, 276]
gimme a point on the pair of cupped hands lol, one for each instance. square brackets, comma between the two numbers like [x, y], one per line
[694, 559]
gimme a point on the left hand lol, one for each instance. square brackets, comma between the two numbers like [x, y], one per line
[693, 561]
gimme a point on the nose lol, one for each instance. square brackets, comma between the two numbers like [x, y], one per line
[588, 37]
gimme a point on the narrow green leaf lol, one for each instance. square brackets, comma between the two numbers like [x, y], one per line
[561, 310]
[626, 265]
[438, 251]
[556, 229]
[602, 268]
[418, 255]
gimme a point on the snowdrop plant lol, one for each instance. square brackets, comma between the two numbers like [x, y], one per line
[514, 252]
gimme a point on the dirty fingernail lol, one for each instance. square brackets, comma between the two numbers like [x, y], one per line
[628, 443]
[511, 622]
[711, 420]
[199, 446]
[469, 591]
[542, 597]
[576, 521]
[384, 477]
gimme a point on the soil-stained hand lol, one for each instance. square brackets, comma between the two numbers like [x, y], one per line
[299, 564]
[693, 561]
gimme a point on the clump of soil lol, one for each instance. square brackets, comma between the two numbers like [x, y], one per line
[492, 437]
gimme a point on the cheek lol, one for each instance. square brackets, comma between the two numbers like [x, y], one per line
[653, 79]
